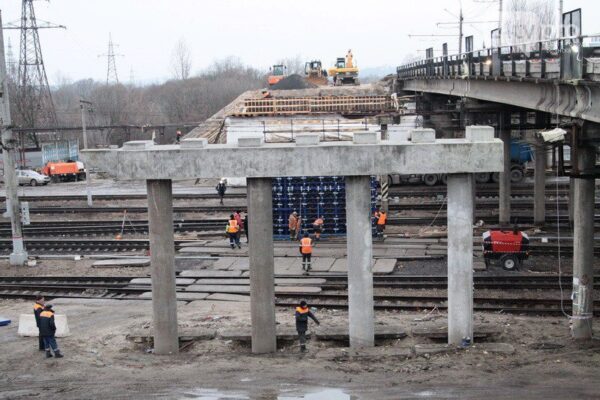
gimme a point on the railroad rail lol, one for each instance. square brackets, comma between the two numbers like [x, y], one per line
[334, 293]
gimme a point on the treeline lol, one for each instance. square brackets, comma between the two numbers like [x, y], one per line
[174, 102]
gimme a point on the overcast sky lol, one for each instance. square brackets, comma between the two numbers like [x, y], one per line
[257, 31]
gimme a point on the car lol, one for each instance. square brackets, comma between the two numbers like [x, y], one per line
[30, 177]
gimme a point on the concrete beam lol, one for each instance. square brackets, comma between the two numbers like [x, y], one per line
[546, 96]
[262, 269]
[460, 258]
[505, 182]
[361, 314]
[162, 261]
[280, 160]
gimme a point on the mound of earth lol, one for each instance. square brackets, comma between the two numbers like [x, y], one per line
[294, 81]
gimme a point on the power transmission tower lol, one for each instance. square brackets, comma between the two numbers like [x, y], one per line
[111, 70]
[11, 64]
[34, 99]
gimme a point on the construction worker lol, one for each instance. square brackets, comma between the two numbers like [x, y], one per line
[349, 59]
[178, 136]
[38, 307]
[293, 225]
[48, 329]
[302, 315]
[306, 251]
[238, 217]
[381, 220]
[221, 189]
[318, 227]
[246, 228]
[232, 231]
[298, 226]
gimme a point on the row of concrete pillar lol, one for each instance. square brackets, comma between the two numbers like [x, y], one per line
[361, 315]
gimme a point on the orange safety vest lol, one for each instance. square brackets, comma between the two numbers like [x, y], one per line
[306, 245]
[382, 219]
[233, 226]
[46, 314]
[302, 310]
[37, 306]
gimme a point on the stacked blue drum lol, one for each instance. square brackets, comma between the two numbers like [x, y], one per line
[312, 197]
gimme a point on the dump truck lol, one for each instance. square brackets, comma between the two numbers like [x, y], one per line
[345, 72]
[65, 171]
[314, 73]
[276, 74]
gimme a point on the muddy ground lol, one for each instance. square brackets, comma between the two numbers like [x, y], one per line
[101, 363]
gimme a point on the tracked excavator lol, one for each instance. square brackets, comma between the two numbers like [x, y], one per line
[345, 71]
[314, 73]
[276, 74]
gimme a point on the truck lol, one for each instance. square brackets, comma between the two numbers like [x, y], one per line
[64, 171]
[520, 155]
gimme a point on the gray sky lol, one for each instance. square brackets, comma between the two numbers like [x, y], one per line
[257, 31]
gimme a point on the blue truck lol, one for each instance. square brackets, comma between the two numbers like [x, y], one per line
[520, 154]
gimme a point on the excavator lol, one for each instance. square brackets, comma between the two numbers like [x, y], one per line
[314, 73]
[276, 74]
[344, 72]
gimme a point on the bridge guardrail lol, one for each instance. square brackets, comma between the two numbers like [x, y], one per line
[566, 58]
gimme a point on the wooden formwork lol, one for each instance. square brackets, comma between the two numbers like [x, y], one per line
[312, 105]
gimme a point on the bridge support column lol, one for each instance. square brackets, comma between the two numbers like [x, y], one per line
[361, 314]
[460, 258]
[539, 190]
[571, 200]
[262, 270]
[504, 193]
[583, 247]
[162, 260]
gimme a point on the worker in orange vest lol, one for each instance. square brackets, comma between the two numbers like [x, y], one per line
[293, 225]
[38, 307]
[381, 223]
[306, 251]
[303, 313]
[318, 227]
[232, 231]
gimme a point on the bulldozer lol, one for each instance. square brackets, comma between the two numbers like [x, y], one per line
[314, 73]
[276, 73]
[345, 71]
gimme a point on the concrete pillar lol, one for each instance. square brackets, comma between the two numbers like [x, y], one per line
[262, 269]
[571, 200]
[583, 247]
[539, 190]
[460, 258]
[361, 315]
[162, 261]
[504, 193]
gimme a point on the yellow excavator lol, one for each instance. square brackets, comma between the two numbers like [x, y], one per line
[345, 71]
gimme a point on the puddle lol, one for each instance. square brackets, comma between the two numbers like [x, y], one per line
[216, 394]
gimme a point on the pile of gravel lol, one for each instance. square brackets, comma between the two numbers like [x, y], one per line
[293, 82]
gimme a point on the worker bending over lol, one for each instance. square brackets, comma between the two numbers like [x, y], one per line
[232, 231]
[302, 315]
[306, 251]
[38, 307]
[318, 227]
[48, 330]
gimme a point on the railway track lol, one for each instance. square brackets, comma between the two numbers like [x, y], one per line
[333, 295]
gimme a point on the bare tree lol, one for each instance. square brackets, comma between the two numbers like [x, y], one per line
[181, 60]
[295, 65]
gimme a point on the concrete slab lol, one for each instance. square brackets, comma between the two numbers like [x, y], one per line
[322, 264]
[278, 281]
[122, 262]
[194, 243]
[224, 263]
[241, 264]
[228, 297]
[246, 289]
[243, 335]
[94, 302]
[384, 266]
[148, 281]
[442, 332]
[207, 273]
[479, 265]
[28, 328]
[366, 353]
[181, 296]
[340, 265]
